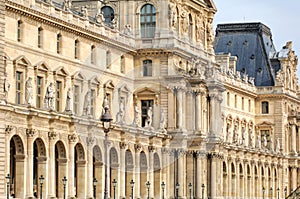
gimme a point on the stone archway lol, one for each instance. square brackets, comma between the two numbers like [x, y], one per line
[128, 171]
[39, 164]
[98, 168]
[79, 174]
[157, 175]
[17, 167]
[114, 167]
[143, 174]
[60, 167]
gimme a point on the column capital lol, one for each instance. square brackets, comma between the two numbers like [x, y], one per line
[151, 149]
[52, 135]
[215, 156]
[30, 132]
[9, 129]
[123, 145]
[72, 138]
[90, 140]
[137, 147]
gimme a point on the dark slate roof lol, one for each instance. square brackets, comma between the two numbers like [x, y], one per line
[252, 44]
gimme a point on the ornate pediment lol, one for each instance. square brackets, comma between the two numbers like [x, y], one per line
[109, 85]
[79, 76]
[41, 66]
[22, 60]
[145, 92]
[61, 71]
[95, 80]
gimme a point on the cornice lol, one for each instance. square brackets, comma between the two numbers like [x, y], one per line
[64, 25]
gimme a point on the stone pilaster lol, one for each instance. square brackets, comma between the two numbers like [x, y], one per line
[137, 172]
[29, 177]
[122, 189]
[71, 184]
[90, 144]
[52, 139]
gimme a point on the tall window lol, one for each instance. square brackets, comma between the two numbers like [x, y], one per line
[265, 107]
[147, 68]
[243, 105]
[40, 37]
[39, 95]
[108, 59]
[76, 49]
[122, 68]
[19, 87]
[148, 21]
[19, 30]
[146, 104]
[190, 26]
[93, 101]
[93, 54]
[58, 43]
[249, 105]
[108, 13]
[76, 99]
[228, 99]
[58, 96]
[235, 101]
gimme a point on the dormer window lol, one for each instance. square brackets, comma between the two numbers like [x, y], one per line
[265, 107]
[108, 14]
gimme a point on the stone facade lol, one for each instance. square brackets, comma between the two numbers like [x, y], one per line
[182, 115]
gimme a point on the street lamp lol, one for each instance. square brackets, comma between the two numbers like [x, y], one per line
[41, 185]
[163, 186]
[95, 184]
[131, 185]
[190, 188]
[271, 192]
[148, 187]
[106, 119]
[203, 187]
[114, 182]
[285, 191]
[278, 191]
[64, 183]
[263, 190]
[7, 185]
[177, 187]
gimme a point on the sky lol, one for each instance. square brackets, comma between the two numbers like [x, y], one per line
[282, 17]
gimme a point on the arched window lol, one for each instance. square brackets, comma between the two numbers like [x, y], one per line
[108, 14]
[228, 99]
[108, 59]
[147, 68]
[20, 24]
[264, 107]
[93, 54]
[76, 49]
[40, 37]
[58, 43]
[148, 21]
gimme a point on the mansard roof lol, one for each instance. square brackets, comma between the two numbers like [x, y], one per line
[253, 46]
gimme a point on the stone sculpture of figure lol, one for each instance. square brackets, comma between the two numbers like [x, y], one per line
[149, 117]
[29, 91]
[100, 17]
[184, 22]
[244, 136]
[258, 142]
[136, 121]
[50, 94]
[87, 104]
[84, 11]
[251, 81]
[69, 101]
[114, 23]
[105, 102]
[271, 144]
[252, 143]
[172, 16]
[265, 142]
[209, 30]
[229, 134]
[121, 113]
[67, 5]
[277, 145]
[235, 135]
[6, 87]
[162, 122]
[199, 24]
[127, 29]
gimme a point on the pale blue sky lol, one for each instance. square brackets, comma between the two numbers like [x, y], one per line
[283, 17]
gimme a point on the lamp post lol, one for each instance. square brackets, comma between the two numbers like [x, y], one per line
[177, 187]
[263, 190]
[203, 187]
[271, 192]
[114, 182]
[190, 188]
[163, 185]
[41, 186]
[64, 183]
[106, 119]
[131, 185]
[285, 191]
[278, 191]
[148, 187]
[95, 184]
[7, 185]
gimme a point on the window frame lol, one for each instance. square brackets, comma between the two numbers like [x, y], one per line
[20, 27]
[58, 95]
[147, 68]
[145, 25]
[19, 92]
[58, 43]
[108, 16]
[39, 95]
[265, 107]
[40, 37]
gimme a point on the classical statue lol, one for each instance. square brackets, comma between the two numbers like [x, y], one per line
[6, 87]
[199, 28]
[149, 117]
[69, 101]
[184, 22]
[121, 113]
[67, 4]
[100, 17]
[258, 142]
[87, 104]
[229, 134]
[265, 142]
[172, 16]
[127, 29]
[210, 30]
[162, 122]
[50, 95]
[136, 120]
[252, 141]
[114, 23]
[277, 145]
[29, 91]
[271, 144]
[84, 11]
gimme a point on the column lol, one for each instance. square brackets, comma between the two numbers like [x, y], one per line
[137, 148]
[29, 177]
[90, 144]
[213, 177]
[151, 150]
[294, 178]
[181, 173]
[199, 172]
[122, 184]
[52, 139]
[20, 176]
[71, 183]
[293, 139]
[198, 112]
[215, 113]
[179, 108]
[165, 165]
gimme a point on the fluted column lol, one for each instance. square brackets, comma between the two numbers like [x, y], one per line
[215, 113]
[122, 183]
[181, 173]
[71, 166]
[29, 177]
[294, 178]
[213, 176]
[151, 170]
[52, 139]
[199, 174]
[198, 112]
[179, 108]
[293, 139]
[90, 144]
[137, 173]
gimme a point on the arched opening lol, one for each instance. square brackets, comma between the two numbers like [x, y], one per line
[79, 171]
[256, 182]
[143, 174]
[233, 176]
[148, 21]
[60, 167]
[98, 168]
[248, 194]
[39, 164]
[17, 167]
[128, 171]
[157, 169]
[224, 179]
[241, 183]
[114, 167]
[108, 14]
